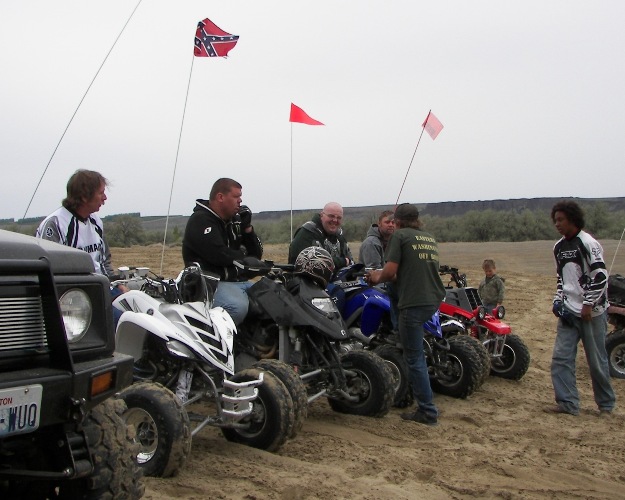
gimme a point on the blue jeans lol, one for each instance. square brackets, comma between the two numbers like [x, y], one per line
[116, 292]
[391, 291]
[411, 321]
[232, 296]
[592, 334]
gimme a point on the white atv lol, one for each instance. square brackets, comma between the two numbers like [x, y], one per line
[182, 349]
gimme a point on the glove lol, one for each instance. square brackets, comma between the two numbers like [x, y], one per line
[246, 216]
[251, 267]
[561, 312]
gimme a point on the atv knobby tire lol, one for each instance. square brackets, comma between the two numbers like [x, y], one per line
[394, 358]
[162, 427]
[462, 372]
[514, 360]
[615, 347]
[372, 384]
[482, 353]
[272, 417]
[293, 383]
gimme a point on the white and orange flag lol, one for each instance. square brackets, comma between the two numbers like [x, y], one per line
[432, 125]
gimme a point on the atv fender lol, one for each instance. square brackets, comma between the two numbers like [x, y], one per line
[222, 322]
[455, 311]
[371, 306]
[132, 330]
[372, 312]
[495, 326]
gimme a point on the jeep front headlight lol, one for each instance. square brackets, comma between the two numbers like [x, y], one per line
[76, 311]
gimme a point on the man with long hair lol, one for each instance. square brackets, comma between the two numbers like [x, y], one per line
[412, 259]
[76, 224]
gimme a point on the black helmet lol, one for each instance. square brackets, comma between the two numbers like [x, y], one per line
[316, 263]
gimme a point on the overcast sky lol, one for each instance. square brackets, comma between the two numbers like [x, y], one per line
[530, 94]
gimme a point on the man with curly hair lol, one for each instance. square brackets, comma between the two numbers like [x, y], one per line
[580, 304]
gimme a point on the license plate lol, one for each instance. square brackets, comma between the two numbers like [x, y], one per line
[20, 409]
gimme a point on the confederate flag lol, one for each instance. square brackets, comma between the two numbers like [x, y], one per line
[212, 41]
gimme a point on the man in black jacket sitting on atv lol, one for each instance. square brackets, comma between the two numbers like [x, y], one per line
[219, 232]
[324, 230]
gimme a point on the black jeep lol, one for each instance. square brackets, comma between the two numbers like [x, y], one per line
[61, 430]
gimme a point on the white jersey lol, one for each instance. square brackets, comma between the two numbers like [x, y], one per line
[582, 275]
[71, 230]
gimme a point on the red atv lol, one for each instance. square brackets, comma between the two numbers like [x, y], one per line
[509, 356]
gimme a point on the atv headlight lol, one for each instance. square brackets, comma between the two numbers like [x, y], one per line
[480, 312]
[76, 311]
[325, 304]
[500, 312]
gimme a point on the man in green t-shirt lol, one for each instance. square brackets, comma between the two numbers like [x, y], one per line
[412, 259]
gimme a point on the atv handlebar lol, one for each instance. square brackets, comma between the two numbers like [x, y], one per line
[252, 267]
[460, 280]
[172, 290]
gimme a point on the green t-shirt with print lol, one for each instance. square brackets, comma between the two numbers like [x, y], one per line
[416, 253]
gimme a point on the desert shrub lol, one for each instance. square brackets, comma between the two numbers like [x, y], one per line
[125, 231]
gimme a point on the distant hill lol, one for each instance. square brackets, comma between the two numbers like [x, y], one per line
[444, 209]
[455, 208]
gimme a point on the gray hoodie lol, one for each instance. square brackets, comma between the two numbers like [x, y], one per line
[372, 249]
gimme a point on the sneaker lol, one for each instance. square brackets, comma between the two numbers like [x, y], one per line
[420, 417]
[606, 413]
[559, 409]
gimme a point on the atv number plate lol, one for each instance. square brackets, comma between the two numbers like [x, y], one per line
[20, 409]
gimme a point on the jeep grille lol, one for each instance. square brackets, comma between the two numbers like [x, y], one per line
[22, 326]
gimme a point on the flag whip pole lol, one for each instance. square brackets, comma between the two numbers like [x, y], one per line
[291, 181]
[616, 251]
[173, 177]
[412, 159]
[76, 110]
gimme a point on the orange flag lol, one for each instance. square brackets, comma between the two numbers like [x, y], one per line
[299, 115]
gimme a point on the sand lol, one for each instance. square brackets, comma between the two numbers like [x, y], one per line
[498, 443]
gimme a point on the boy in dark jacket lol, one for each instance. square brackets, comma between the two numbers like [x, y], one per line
[491, 288]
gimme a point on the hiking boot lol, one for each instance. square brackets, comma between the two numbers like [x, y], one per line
[558, 409]
[420, 417]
